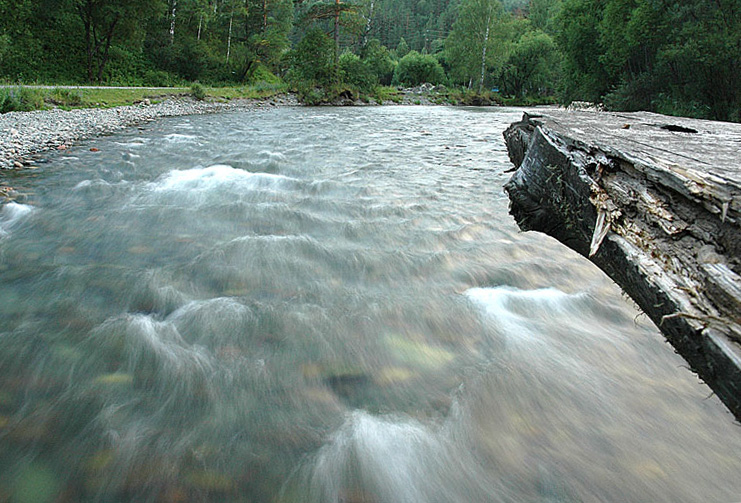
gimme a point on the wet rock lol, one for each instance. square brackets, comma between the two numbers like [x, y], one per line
[100, 461]
[114, 379]
[393, 375]
[417, 353]
[209, 480]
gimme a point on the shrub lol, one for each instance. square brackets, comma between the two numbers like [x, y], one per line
[20, 99]
[197, 91]
[260, 74]
[158, 78]
[65, 97]
[312, 62]
[415, 69]
[356, 72]
[378, 58]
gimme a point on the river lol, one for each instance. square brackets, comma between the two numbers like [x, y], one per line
[326, 305]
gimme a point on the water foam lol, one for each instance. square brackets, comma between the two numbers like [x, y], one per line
[11, 215]
[394, 459]
[181, 138]
[214, 322]
[155, 351]
[516, 312]
[217, 177]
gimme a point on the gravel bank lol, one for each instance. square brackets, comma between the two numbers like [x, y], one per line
[23, 134]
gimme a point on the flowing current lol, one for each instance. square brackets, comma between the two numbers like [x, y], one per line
[326, 305]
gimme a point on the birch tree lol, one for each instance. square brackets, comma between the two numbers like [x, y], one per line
[478, 41]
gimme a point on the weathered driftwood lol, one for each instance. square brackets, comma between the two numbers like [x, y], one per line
[655, 202]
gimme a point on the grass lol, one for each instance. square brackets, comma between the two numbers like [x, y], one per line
[20, 98]
[386, 93]
[24, 99]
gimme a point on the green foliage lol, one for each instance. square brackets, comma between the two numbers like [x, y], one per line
[578, 37]
[386, 93]
[313, 61]
[158, 78]
[402, 49]
[188, 59]
[379, 60]
[543, 14]
[198, 91]
[19, 99]
[671, 57]
[469, 97]
[532, 66]
[106, 21]
[356, 72]
[415, 68]
[65, 97]
[267, 26]
[4, 44]
[480, 37]
[260, 74]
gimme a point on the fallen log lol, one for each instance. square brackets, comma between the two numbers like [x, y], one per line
[655, 202]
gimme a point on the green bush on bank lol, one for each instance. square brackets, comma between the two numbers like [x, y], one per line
[197, 91]
[415, 69]
[64, 97]
[20, 99]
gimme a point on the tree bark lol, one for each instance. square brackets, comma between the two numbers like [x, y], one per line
[229, 38]
[655, 202]
[103, 60]
[172, 22]
[483, 53]
[368, 24]
[337, 31]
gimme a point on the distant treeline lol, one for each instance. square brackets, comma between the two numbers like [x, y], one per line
[671, 57]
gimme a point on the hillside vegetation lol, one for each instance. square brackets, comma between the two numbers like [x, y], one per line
[671, 57]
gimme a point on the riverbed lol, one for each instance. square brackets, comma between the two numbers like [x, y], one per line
[325, 305]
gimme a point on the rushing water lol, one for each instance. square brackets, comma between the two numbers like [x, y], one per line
[326, 305]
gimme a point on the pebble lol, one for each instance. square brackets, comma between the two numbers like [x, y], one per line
[25, 133]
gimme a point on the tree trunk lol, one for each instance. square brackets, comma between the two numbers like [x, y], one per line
[264, 16]
[103, 60]
[337, 31]
[229, 38]
[483, 53]
[200, 24]
[85, 12]
[368, 24]
[172, 22]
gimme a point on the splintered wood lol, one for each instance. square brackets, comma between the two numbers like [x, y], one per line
[655, 202]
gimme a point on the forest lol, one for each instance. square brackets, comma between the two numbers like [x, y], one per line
[672, 57]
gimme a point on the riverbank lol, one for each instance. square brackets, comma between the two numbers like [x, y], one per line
[26, 137]
[26, 134]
